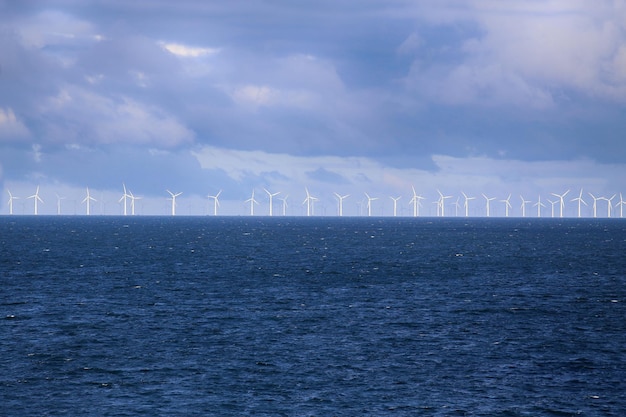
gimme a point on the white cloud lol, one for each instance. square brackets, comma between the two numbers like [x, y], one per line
[54, 28]
[187, 51]
[526, 51]
[11, 128]
[76, 115]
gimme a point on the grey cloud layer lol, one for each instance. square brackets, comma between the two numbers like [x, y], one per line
[395, 81]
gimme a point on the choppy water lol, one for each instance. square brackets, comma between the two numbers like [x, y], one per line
[312, 316]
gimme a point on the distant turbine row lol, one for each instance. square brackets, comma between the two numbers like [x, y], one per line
[557, 207]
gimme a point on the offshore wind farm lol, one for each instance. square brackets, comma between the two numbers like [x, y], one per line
[585, 205]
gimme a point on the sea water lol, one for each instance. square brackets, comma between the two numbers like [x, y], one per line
[280, 316]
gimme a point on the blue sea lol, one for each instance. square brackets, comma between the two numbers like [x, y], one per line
[269, 316]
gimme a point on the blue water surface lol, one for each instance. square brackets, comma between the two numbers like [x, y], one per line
[148, 316]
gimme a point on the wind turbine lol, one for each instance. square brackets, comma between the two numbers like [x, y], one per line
[124, 198]
[59, 198]
[595, 204]
[395, 205]
[609, 205]
[11, 198]
[416, 202]
[309, 202]
[466, 204]
[252, 202]
[552, 203]
[488, 201]
[562, 202]
[369, 204]
[284, 200]
[340, 199]
[132, 202]
[621, 203]
[507, 205]
[524, 202]
[216, 201]
[173, 198]
[539, 204]
[36, 198]
[442, 201]
[580, 201]
[88, 200]
[271, 201]
[457, 206]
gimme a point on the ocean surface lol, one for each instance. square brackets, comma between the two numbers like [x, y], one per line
[242, 316]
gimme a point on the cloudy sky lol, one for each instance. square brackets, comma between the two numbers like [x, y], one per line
[523, 97]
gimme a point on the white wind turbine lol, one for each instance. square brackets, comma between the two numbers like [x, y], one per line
[442, 203]
[340, 199]
[59, 198]
[252, 202]
[36, 198]
[309, 202]
[457, 206]
[271, 196]
[580, 201]
[369, 204]
[88, 200]
[539, 204]
[11, 198]
[284, 200]
[132, 202]
[595, 204]
[561, 201]
[609, 205]
[552, 203]
[124, 198]
[621, 203]
[395, 205]
[524, 202]
[173, 198]
[507, 205]
[466, 203]
[216, 201]
[416, 202]
[489, 200]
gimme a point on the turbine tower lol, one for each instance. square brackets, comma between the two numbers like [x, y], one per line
[507, 205]
[88, 200]
[416, 202]
[369, 204]
[539, 204]
[252, 202]
[173, 198]
[562, 202]
[271, 196]
[524, 202]
[309, 202]
[395, 205]
[580, 201]
[12, 197]
[441, 203]
[36, 198]
[216, 201]
[59, 198]
[609, 205]
[489, 199]
[340, 199]
[132, 202]
[124, 198]
[284, 200]
[595, 204]
[466, 203]
[621, 205]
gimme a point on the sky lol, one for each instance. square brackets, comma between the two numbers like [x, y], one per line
[524, 97]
